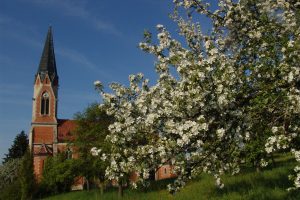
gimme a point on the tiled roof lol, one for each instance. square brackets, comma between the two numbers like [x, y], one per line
[65, 128]
[47, 63]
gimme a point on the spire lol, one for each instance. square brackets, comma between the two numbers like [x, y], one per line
[47, 63]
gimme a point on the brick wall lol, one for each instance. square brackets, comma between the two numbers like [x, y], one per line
[38, 163]
[43, 134]
[164, 172]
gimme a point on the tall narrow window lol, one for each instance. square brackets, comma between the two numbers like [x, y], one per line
[45, 104]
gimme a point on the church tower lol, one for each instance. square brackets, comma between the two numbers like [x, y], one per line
[48, 134]
[44, 124]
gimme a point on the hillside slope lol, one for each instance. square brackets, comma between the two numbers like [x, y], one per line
[270, 184]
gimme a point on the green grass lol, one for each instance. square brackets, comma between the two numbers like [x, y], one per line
[270, 184]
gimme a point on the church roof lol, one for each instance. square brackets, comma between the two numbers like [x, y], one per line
[47, 63]
[65, 129]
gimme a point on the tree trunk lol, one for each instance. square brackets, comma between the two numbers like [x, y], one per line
[101, 185]
[256, 165]
[120, 190]
[258, 168]
[273, 160]
[87, 185]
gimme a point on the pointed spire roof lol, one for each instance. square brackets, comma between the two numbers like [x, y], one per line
[47, 63]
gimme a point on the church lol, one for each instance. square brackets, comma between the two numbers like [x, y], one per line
[48, 134]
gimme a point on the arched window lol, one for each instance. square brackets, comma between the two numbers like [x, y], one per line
[45, 104]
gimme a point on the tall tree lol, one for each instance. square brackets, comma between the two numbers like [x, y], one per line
[91, 131]
[18, 148]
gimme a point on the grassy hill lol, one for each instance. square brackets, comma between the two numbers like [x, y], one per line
[270, 184]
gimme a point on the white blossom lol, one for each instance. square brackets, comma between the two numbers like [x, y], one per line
[220, 132]
[95, 151]
[210, 93]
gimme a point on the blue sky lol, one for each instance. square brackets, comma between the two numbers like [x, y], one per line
[93, 40]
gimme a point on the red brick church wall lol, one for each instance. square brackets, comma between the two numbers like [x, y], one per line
[43, 134]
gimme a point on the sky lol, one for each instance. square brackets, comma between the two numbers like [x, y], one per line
[93, 40]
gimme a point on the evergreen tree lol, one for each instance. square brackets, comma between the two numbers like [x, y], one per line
[18, 148]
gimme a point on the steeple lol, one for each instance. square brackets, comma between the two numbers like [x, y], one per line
[47, 63]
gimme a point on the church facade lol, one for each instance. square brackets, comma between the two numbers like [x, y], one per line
[48, 134]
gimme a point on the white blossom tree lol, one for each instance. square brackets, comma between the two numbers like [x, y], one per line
[239, 82]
